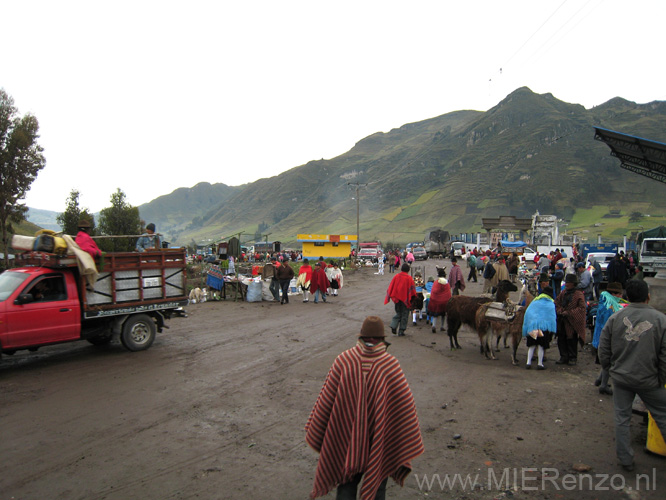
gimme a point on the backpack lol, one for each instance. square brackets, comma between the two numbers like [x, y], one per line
[489, 271]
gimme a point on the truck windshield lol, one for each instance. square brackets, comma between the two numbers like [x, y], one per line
[654, 248]
[9, 282]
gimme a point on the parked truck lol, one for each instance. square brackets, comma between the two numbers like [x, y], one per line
[652, 256]
[437, 243]
[370, 251]
[48, 301]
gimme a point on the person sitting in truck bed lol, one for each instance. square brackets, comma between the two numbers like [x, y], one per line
[149, 240]
[85, 241]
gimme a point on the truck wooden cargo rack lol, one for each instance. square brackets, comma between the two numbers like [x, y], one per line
[155, 279]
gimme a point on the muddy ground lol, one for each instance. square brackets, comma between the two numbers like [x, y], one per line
[215, 409]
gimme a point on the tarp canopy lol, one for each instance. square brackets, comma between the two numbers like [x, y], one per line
[512, 244]
[655, 232]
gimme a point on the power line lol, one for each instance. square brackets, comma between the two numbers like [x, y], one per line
[538, 51]
[532, 35]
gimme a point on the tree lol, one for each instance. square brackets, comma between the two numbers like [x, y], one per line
[120, 218]
[635, 217]
[69, 219]
[21, 160]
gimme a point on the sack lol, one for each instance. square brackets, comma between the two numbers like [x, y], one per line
[489, 271]
[266, 293]
[334, 284]
[254, 289]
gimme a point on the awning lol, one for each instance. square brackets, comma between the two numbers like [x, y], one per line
[638, 155]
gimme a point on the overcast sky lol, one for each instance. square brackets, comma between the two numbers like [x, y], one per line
[150, 96]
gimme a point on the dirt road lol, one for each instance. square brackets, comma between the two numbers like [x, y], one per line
[216, 410]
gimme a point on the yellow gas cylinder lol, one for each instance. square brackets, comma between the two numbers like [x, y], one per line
[655, 441]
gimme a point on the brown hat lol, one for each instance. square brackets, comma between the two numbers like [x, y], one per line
[373, 326]
[614, 287]
[83, 223]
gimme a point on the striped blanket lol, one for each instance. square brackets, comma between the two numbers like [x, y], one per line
[364, 421]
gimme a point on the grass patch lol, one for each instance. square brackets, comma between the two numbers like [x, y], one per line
[425, 197]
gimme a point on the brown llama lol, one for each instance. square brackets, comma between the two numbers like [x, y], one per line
[461, 309]
[511, 328]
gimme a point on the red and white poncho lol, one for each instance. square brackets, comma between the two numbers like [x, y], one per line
[364, 421]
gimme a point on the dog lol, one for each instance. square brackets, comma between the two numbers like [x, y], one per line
[197, 295]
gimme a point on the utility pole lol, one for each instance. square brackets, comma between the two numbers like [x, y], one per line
[358, 212]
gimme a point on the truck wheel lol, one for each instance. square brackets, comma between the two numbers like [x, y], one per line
[138, 333]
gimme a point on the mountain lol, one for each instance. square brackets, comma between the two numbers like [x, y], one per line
[530, 152]
[45, 219]
[185, 208]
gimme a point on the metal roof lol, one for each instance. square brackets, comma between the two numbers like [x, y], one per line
[638, 155]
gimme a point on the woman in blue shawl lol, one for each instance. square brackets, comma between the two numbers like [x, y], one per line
[609, 303]
[538, 326]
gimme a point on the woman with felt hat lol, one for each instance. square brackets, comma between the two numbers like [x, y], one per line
[571, 310]
[85, 241]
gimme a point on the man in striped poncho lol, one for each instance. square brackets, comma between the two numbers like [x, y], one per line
[364, 423]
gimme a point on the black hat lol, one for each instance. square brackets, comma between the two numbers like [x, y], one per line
[150, 227]
[571, 278]
[543, 277]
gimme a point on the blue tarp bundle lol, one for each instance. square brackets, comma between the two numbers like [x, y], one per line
[512, 244]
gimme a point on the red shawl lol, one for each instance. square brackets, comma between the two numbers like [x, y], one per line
[87, 244]
[307, 270]
[439, 297]
[401, 289]
[319, 280]
[364, 421]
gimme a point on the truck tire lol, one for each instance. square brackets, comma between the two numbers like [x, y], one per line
[138, 332]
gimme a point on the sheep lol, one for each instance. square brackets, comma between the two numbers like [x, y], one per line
[462, 309]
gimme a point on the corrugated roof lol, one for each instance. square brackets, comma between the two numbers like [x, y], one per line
[642, 156]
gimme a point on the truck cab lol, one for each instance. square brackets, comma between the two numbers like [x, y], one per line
[38, 306]
[652, 256]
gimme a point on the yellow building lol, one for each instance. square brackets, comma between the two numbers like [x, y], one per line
[336, 246]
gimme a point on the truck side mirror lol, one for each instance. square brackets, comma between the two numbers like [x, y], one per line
[24, 298]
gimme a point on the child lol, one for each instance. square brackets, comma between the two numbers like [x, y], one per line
[417, 301]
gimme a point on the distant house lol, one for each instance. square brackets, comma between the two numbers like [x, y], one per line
[337, 246]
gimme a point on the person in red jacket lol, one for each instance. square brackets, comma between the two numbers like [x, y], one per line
[85, 242]
[400, 291]
[319, 283]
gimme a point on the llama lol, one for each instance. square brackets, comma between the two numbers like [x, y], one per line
[524, 300]
[461, 309]
[511, 328]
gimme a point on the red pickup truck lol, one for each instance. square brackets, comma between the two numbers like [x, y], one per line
[47, 301]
